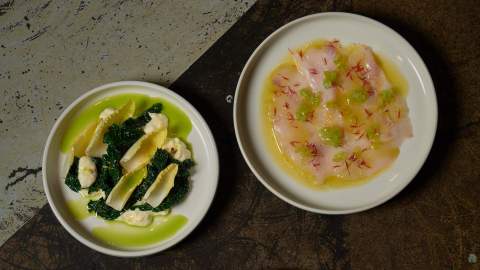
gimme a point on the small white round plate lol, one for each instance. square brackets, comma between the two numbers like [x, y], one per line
[348, 28]
[203, 180]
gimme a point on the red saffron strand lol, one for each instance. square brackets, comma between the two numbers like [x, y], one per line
[348, 169]
[368, 112]
[293, 143]
[290, 91]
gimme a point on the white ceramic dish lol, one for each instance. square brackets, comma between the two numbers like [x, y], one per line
[204, 179]
[348, 28]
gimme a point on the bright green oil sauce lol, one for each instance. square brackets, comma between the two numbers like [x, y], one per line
[78, 208]
[119, 234]
[124, 236]
[179, 124]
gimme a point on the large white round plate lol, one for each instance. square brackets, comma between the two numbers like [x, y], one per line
[203, 180]
[348, 28]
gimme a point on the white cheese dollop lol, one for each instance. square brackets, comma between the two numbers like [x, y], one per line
[105, 114]
[140, 218]
[177, 149]
[136, 217]
[87, 172]
[158, 122]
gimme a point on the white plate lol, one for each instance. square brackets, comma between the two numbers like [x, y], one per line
[204, 179]
[348, 28]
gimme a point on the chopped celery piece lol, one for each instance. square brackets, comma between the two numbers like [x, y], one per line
[358, 96]
[329, 78]
[332, 136]
[340, 156]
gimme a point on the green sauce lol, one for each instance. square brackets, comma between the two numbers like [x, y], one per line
[78, 208]
[125, 236]
[119, 234]
[179, 124]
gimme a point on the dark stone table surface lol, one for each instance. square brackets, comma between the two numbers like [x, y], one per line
[433, 224]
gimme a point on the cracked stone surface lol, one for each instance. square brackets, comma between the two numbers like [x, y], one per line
[53, 51]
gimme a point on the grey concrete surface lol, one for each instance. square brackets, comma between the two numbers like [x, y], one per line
[52, 51]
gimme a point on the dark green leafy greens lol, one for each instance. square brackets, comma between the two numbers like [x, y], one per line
[109, 172]
[180, 189]
[144, 118]
[71, 180]
[119, 138]
[160, 161]
[103, 210]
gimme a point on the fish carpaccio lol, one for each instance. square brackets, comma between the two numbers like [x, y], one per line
[335, 114]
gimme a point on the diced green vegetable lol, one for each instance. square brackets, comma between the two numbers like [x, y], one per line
[340, 156]
[387, 96]
[329, 78]
[309, 97]
[303, 150]
[302, 112]
[340, 61]
[331, 104]
[305, 92]
[307, 106]
[332, 135]
[358, 96]
[372, 133]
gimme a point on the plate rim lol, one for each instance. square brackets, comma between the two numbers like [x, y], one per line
[188, 229]
[240, 142]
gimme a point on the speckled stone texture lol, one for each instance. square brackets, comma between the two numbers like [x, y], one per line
[432, 224]
[53, 51]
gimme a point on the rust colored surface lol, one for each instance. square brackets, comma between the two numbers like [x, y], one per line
[432, 224]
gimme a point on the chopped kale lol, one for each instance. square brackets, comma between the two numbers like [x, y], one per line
[160, 161]
[121, 137]
[103, 210]
[109, 172]
[144, 118]
[176, 194]
[71, 180]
